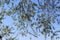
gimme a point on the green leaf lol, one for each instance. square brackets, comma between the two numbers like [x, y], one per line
[34, 4]
[8, 13]
[0, 3]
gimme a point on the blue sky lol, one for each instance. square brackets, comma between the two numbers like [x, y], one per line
[9, 22]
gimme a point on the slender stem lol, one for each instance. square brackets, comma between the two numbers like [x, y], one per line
[45, 36]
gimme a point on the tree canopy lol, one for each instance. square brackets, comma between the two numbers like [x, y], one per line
[38, 16]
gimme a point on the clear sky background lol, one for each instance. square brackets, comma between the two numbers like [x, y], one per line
[8, 21]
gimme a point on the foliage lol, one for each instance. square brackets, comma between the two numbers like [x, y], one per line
[28, 14]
